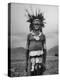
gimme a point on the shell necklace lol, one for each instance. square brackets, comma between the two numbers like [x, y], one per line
[37, 37]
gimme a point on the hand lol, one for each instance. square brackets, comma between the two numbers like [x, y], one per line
[26, 69]
[44, 67]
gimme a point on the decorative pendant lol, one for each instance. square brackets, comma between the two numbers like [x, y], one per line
[36, 37]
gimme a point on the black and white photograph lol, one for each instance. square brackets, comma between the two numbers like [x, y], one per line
[32, 40]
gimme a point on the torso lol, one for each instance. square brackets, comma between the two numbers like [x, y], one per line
[36, 42]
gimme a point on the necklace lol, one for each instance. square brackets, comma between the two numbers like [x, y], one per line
[37, 37]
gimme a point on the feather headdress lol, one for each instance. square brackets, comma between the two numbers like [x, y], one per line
[39, 16]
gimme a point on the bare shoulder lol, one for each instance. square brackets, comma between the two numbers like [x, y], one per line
[43, 36]
[29, 35]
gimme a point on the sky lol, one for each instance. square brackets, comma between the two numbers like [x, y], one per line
[20, 26]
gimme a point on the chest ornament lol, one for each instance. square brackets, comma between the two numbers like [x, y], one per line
[36, 37]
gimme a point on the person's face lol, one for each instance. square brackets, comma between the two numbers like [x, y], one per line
[36, 24]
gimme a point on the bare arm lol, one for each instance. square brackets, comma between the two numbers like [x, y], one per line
[44, 50]
[27, 52]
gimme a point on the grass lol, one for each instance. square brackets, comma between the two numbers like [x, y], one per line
[18, 63]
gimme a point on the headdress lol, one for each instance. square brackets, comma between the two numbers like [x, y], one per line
[38, 18]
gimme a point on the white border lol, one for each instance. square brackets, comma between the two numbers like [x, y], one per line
[4, 39]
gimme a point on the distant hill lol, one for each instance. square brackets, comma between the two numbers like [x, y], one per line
[53, 51]
[16, 50]
[18, 53]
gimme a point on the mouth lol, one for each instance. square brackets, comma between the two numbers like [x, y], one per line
[36, 27]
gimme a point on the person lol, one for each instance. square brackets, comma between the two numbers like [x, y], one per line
[36, 42]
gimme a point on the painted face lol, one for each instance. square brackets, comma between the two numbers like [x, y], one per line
[36, 24]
